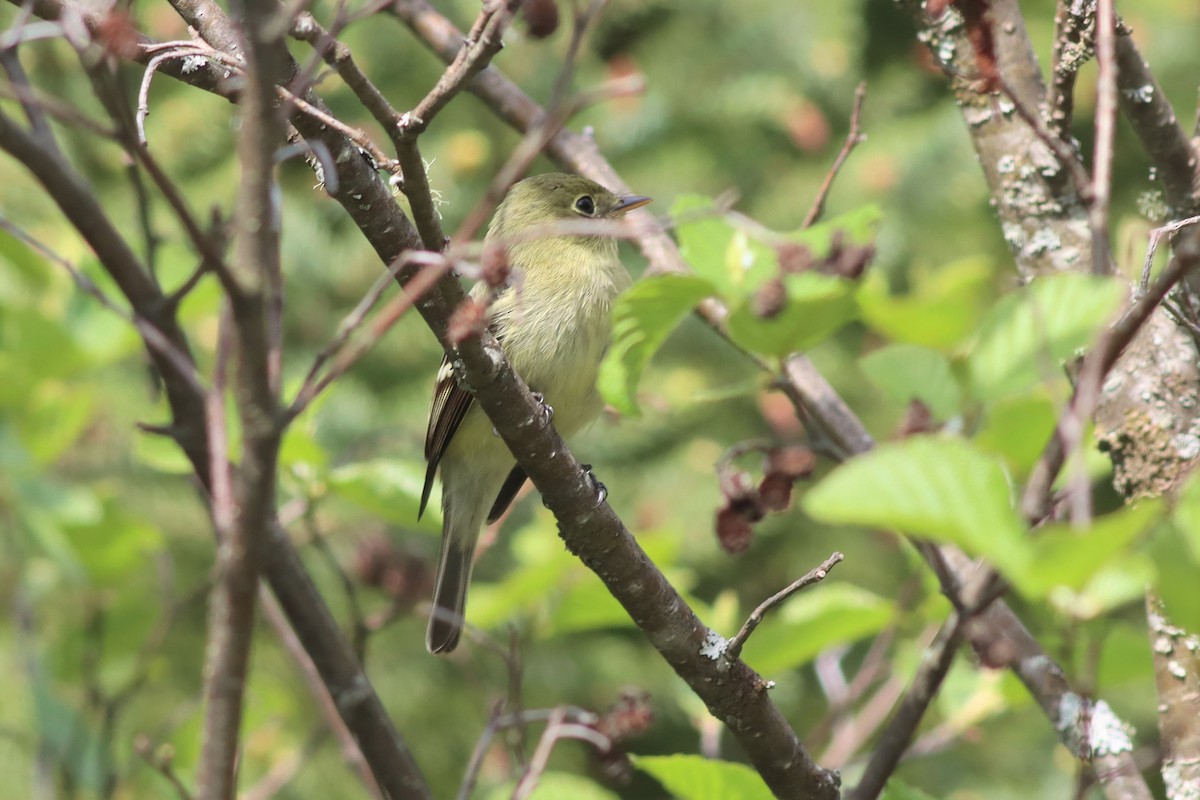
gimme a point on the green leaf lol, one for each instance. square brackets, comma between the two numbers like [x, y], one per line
[642, 319]
[817, 305]
[854, 227]
[388, 488]
[689, 777]
[825, 615]
[1117, 584]
[936, 487]
[1017, 429]
[1187, 514]
[941, 310]
[907, 372]
[1065, 557]
[704, 242]
[1027, 335]
[523, 591]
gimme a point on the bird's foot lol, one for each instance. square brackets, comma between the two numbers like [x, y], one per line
[600, 488]
[547, 410]
[544, 409]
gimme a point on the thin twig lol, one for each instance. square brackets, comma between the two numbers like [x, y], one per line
[351, 752]
[734, 647]
[345, 355]
[1035, 502]
[853, 139]
[1156, 236]
[895, 739]
[160, 760]
[557, 728]
[498, 722]
[1106, 126]
[557, 112]
[154, 338]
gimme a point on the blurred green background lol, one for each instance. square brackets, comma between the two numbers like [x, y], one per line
[105, 550]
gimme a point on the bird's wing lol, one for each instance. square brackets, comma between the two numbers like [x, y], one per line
[512, 484]
[450, 404]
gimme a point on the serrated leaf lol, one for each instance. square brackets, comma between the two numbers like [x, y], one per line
[689, 777]
[935, 487]
[907, 372]
[642, 319]
[1064, 557]
[818, 618]
[388, 488]
[941, 310]
[1027, 335]
[817, 305]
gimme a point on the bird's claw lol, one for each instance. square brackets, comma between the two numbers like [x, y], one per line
[600, 489]
[547, 410]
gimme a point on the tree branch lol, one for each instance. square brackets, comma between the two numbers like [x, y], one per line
[935, 665]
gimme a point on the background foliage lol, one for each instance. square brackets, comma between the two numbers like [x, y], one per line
[107, 552]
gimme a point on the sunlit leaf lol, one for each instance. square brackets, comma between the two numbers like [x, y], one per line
[1117, 584]
[817, 305]
[1028, 334]
[642, 319]
[1069, 558]
[689, 777]
[704, 240]
[1018, 428]
[817, 618]
[943, 307]
[936, 487]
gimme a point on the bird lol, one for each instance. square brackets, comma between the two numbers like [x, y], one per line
[553, 319]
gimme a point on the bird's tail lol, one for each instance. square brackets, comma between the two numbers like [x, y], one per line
[459, 534]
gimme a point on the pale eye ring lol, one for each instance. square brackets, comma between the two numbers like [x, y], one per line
[585, 205]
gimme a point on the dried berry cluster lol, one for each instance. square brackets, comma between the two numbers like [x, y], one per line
[746, 504]
[843, 260]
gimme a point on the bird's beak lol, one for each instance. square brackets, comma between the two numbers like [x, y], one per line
[629, 203]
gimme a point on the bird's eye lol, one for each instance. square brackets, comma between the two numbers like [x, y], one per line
[585, 205]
